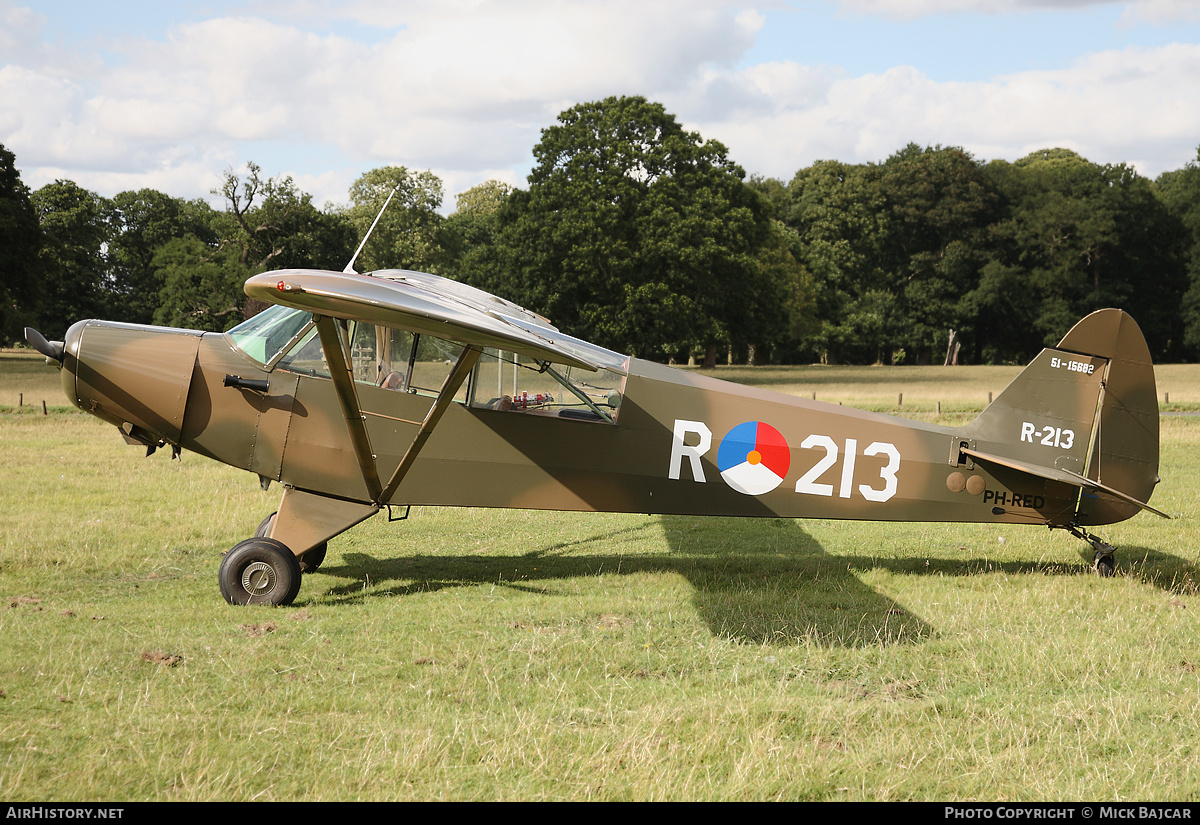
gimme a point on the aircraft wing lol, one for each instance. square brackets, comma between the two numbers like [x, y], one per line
[425, 304]
[1065, 476]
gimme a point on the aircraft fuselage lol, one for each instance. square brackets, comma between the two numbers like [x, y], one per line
[683, 443]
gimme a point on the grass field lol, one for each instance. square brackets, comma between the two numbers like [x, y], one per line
[508, 655]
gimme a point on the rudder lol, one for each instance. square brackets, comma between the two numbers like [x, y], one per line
[1125, 450]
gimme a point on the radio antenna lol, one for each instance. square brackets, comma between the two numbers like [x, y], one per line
[349, 270]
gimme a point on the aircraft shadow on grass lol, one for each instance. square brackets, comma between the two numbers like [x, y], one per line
[758, 581]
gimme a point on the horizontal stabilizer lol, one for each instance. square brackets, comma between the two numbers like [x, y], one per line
[1065, 476]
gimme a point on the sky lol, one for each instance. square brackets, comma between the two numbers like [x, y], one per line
[169, 94]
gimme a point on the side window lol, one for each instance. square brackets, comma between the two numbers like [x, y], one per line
[398, 360]
[380, 355]
[434, 360]
[513, 383]
[401, 361]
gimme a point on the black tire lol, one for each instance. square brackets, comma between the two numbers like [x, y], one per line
[259, 571]
[310, 560]
[1106, 566]
[264, 527]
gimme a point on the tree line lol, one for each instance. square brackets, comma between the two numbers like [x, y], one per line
[643, 237]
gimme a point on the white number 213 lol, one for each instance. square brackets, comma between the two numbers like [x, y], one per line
[809, 483]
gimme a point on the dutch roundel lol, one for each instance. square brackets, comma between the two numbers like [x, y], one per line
[753, 458]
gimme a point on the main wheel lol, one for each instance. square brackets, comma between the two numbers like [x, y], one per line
[310, 560]
[259, 571]
[1106, 566]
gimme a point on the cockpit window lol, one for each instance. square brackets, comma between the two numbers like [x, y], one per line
[380, 355]
[306, 356]
[268, 333]
[395, 359]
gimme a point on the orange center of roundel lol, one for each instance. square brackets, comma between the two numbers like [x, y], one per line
[754, 457]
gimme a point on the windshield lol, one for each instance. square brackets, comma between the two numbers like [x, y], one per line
[268, 333]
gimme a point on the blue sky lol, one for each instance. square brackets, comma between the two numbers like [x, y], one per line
[122, 95]
[968, 45]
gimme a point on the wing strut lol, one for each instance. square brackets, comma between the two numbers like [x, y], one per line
[462, 368]
[343, 382]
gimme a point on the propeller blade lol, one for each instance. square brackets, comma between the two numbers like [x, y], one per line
[50, 349]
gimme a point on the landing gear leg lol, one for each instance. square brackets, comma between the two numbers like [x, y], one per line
[310, 560]
[1104, 561]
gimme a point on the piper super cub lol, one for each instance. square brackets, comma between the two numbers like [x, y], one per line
[393, 388]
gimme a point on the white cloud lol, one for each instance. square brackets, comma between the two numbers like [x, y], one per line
[463, 88]
[448, 89]
[1140, 106]
[189, 178]
[1162, 11]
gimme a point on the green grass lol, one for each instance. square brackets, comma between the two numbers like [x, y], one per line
[512, 655]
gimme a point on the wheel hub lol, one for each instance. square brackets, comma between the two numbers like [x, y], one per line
[258, 578]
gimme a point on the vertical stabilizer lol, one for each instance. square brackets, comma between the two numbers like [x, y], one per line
[1087, 407]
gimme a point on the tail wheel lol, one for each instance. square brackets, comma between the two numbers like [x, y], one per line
[309, 560]
[1104, 561]
[259, 571]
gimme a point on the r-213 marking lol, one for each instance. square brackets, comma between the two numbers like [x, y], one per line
[1048, 436]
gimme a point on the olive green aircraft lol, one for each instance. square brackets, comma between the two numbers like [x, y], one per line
[360, 392]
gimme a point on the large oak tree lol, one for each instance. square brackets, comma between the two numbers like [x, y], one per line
[635, 234]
